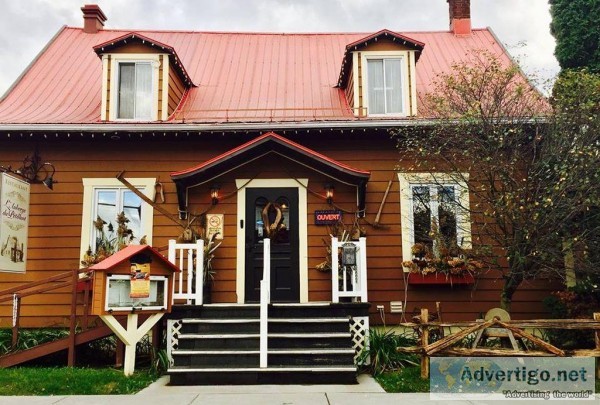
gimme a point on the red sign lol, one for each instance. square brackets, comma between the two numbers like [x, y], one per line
[327, 217]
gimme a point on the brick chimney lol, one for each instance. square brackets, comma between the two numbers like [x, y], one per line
[460, 16]
[93, 18]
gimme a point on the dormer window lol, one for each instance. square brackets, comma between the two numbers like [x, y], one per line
[378, 75]
[135, 89]
[142, 79]
[385, 86]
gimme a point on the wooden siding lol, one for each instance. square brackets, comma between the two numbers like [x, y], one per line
[55, 222]
[176, 90]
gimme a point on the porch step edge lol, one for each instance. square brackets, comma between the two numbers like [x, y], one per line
[185, 352]
[310, 335]
[310, 320]
[209, 320]
[314, 369]
[219, 336]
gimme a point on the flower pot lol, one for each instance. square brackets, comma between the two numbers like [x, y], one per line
[440, 279]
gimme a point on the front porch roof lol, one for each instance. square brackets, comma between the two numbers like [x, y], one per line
[259, 147]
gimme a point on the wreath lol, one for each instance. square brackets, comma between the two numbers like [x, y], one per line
[273, 228]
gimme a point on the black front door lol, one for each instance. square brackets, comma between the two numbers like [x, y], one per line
[273, 213]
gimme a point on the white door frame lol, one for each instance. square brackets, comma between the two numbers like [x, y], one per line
[301, 185]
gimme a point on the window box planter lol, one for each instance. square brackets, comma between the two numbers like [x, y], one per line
[440, 279]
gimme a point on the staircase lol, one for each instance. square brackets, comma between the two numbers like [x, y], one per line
[219, 344]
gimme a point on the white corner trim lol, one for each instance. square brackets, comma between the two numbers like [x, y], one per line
[91, 184]
[165, 87]
[302, 229]
[105, 100]
[407, 179]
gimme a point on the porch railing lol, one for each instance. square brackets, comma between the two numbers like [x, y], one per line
[265, 292]
[349, 280]
[189, 257]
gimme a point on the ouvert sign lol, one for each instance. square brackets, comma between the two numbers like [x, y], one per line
[14, 221]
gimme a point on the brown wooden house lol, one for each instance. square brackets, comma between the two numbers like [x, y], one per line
[226, 123]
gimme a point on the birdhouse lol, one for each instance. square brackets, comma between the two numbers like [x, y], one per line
[133, 280]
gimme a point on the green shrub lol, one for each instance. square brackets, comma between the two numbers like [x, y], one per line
[380, 354]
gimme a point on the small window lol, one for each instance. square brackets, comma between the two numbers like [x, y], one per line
[435, 216]
[385, 87]
[107, 198]
[435, 210]
[108, 205]
[135, 96]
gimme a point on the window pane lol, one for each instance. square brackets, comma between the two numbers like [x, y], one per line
[376, 86]
[393, 83]
[126, 90]
[422, 215]
[447, 215]
[143, 93]
[106, 209]
[283, 236]
[259, 230]
[132, 207]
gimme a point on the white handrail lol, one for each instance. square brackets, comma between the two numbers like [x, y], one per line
[265, 286]
[182, 256]
[354, 278]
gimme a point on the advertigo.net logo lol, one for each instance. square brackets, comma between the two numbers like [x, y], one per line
[511, 378]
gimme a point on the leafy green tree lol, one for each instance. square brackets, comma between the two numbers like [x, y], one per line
[531, 166]
[576, 27]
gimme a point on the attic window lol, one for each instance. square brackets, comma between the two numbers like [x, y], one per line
[135, 93]
[385, 86]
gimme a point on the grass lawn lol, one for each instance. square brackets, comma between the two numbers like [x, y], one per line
[404, 380]
[71, 381]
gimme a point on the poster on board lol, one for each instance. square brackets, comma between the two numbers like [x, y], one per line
[14, 221]
[215, 224]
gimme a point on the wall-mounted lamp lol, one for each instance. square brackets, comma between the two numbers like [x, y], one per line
[329, 193]
[34, 170]
[214, 194]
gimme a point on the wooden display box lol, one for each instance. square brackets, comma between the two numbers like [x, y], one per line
[117, 292]
[440, 279]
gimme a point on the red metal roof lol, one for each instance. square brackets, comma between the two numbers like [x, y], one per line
[130, 251]
[241, 77]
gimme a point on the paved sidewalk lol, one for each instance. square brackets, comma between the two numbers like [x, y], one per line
[366, 392]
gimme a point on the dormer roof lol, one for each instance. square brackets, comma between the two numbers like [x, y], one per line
[135, 37]
[363, 43]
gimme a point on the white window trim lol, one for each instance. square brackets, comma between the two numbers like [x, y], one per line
[117, 58]
[90, 185]
[463, 215]
[241, 185]
[402, 55]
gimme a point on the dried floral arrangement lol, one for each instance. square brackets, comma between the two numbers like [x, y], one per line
[110, 240]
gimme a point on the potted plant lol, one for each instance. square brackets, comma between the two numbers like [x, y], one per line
[444, 265]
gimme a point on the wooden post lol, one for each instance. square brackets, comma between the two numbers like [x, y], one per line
[597, 339]
[86, 304]
[424, 343]
[130, 335]
[73, 320]
[119, 353]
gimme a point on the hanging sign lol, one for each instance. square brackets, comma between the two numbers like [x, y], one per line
[214, 224]
[327, 217]
[14, 221]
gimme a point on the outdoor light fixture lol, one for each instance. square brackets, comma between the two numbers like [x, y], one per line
[34, 170]
[329, 193]
[214, 194]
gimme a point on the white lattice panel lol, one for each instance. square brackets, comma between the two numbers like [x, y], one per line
[173, 330]
[359, 330]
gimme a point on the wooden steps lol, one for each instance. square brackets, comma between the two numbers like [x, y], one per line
[308, 344]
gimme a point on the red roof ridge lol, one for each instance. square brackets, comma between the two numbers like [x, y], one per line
[274, 33]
